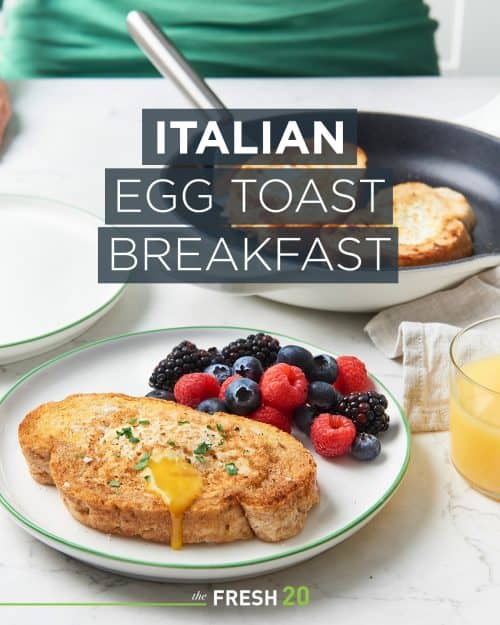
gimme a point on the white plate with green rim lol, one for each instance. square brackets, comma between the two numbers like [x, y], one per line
[48, 268]
[123, 364]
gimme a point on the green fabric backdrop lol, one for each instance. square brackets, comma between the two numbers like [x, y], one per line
[223, 37]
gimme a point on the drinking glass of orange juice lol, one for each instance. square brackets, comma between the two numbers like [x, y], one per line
[475, 405]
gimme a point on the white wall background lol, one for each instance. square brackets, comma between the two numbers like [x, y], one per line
[468, 37]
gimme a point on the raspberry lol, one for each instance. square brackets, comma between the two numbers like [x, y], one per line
[371, 386]
[284, 387]
[191, 389]
[272, 416]
[332, 434]
[225, 384]
[352, 375]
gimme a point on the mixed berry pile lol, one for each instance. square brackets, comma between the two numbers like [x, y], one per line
[332, 400]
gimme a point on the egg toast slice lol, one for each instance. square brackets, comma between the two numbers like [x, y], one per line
[100, 449]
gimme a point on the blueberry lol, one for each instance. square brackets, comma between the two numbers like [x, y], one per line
[303, 417]
[323, 396]
[248, 367]
[158, 393]
[242, 396]
[214, 404]
[365, 447]
[297, 356]
[219, 371]
[325, 369]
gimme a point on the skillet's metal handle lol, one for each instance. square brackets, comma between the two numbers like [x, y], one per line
[170, 62]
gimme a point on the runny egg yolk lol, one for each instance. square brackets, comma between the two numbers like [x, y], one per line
[178, 483]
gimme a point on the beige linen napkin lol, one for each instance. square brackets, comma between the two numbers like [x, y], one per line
[421, 331]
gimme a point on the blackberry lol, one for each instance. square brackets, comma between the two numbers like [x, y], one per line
[216, 357]
[366, 411]
[264, 347]
[185, 358]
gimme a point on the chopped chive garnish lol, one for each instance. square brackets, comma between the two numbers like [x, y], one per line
[114, 483]
[147, 478]
[144, 422]
[209, 427]
[171, 443]
[222, 433]
[182, 422]
[202, 448]
[200, 458]
[143, 462]
[133, 421]
[231, 468]
[127, 432]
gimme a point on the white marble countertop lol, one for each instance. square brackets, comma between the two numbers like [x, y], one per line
[431, 556]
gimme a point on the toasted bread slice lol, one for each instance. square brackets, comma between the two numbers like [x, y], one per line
[75, 443]
[458, 206]
[434, 224]
[285, 161]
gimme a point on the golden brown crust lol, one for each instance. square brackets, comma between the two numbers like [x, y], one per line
[74, 444]
[433, 224]
[285, 160]
[458, 206]
[452, 243]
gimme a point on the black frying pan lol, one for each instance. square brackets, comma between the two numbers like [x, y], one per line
[413, 148]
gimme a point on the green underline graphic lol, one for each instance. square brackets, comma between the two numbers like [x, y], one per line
[150, 604]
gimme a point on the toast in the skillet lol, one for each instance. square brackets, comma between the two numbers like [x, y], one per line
[434, 224]
[280, 161]
[76, 444]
